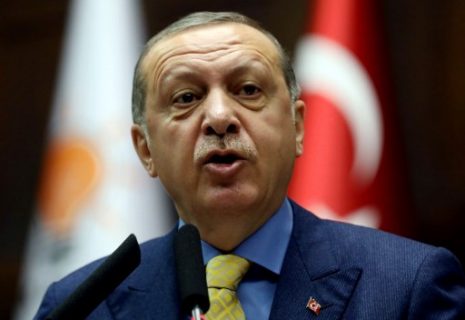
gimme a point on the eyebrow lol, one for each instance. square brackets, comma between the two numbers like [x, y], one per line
[189, 70]
[175, 77]
[253, 64]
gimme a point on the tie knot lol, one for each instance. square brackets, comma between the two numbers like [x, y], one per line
[226, 271]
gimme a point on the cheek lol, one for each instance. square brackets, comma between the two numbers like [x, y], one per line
[171, 161]
[277, 138]
[174, 147]
[278, 126]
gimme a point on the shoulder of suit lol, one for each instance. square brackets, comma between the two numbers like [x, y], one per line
[365, 244]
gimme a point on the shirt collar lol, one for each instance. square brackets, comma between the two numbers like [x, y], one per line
[267, 246]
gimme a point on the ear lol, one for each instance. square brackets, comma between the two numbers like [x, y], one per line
[299, 111]
[141, 144]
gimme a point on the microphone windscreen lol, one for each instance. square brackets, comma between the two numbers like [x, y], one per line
[89, 294]
[192, 282]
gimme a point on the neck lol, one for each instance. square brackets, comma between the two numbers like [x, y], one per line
[226, 231]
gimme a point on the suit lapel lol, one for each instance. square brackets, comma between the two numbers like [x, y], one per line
[310, 269]
[150, 292]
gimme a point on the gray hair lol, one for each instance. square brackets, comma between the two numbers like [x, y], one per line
[139, 89]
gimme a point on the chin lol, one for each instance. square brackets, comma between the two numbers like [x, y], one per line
[232, 201]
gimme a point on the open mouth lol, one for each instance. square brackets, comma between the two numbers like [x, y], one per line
[223, 158]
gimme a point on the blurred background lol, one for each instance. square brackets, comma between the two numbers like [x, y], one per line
[424, 58]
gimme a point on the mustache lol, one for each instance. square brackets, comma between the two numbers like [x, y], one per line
[228, 142]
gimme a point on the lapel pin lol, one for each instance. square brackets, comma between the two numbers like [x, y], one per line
[313, 305]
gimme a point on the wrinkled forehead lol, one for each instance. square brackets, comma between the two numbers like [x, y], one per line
[211, 40]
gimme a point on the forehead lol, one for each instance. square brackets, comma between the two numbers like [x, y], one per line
[210, 42]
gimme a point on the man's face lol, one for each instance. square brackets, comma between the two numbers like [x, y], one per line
[220, 131]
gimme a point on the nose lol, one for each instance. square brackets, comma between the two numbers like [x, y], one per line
[220, 116]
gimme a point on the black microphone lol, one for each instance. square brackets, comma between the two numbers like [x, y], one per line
[192, 282]
[89, 294]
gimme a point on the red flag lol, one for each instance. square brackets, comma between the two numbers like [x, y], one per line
[349, 170]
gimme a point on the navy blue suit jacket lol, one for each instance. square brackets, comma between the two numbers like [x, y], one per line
[353, 272]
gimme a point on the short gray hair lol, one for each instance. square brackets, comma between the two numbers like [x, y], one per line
[139, 89]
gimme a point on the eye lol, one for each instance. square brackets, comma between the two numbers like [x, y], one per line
[249, 90]
[185, 98]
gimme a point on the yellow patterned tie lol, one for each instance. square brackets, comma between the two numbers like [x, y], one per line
[224, 273]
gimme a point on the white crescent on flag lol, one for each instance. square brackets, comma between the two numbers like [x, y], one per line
[327, 68]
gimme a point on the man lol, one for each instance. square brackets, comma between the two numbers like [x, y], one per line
[218, 120]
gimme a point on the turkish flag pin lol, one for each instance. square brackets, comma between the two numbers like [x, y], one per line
[314, 306]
